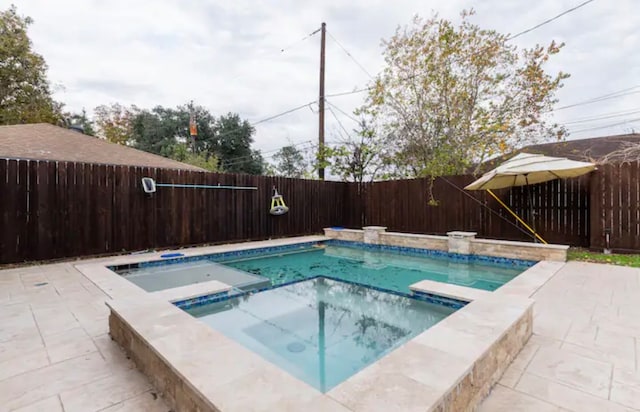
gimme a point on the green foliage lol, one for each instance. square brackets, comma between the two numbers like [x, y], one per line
[165, 131]
[222, 144]
[25, 96]
[115, 122]
[232, 144]
[451, 96]
[360, 158]
[613, 259]
[80, 119]
[289, 163]
[182, 153]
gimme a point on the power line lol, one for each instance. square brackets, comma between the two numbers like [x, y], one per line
[339, 122]
[282, 50]
[597, 99]
[603, 117]
[275, 116]
[365, 89]
[606, 126]
[311, 146]
[343, 112]
[283, 113]
[250, 159]
[246, 158]
[477, 53]
[350, 55]
[549, 20]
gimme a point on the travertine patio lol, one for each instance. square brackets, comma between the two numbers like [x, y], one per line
[55, 352]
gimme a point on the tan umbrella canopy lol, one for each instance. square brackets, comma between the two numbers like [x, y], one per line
[527, 169]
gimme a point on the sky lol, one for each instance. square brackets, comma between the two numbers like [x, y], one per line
[256, 58]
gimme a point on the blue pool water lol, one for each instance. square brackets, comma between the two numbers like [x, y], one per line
[386, 270]
[321, 331]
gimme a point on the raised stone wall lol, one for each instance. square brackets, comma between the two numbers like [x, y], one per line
[455, 242]
[519, 250]
[413, 240]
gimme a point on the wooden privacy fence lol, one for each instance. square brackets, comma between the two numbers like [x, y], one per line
[615, 207]
[558, 209]
[54, 210]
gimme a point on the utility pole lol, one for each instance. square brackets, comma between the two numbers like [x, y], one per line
[321, 159]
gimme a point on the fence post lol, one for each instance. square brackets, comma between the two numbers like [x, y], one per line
[596, 223]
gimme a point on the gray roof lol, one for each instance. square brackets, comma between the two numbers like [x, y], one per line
[42, 141]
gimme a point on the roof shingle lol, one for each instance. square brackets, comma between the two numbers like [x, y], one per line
[590, 149]
[44, 141]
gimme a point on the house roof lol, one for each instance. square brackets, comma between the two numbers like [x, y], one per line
[591, 149]
[42, 141]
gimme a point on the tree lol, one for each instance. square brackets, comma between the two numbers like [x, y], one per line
[182, 153]
[450, 97]
[165, 131]
[115, 122]
[157, 130]
[232, 144]
[81, 120]
[360, 158]
[25, 96]
[289, 162]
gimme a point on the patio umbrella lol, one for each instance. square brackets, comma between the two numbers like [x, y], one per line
[527, 169]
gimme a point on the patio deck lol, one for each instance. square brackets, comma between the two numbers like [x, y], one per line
[55, 351]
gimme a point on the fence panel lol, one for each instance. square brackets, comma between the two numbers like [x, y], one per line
[406, 206]
[615, 207]
[54, 210]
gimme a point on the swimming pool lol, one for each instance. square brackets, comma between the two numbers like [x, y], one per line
[321, 330]
[381, 267]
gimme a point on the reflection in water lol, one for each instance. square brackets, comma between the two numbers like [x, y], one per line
[381, 269]
[335, 328]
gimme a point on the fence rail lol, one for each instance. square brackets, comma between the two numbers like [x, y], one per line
[52, 210]
[558, 210]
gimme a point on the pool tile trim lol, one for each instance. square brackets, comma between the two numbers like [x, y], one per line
[118, 288]
[220, 297]
[402, 250]
[448, 290]
[156, 335]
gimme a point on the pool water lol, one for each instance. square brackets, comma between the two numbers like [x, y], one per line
[321, 331]
[380, 269]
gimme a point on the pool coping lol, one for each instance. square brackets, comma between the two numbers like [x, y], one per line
[482, 329]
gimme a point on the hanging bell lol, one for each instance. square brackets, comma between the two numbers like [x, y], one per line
[277, 204]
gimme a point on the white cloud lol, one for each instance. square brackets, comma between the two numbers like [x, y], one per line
[226, 55]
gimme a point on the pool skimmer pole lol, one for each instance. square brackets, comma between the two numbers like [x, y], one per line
[149, 186]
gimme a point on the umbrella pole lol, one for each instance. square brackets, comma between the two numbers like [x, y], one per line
[516, 216]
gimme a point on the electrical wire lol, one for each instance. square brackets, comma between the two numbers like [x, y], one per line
[549, 20]
[343, 112]
[339, 122]
[606, 126]
[608, 96]
[246, 158]
[282, 114]
[349, 93]
[602, 117]
[349, 54]
[282, 50]
[477, 53]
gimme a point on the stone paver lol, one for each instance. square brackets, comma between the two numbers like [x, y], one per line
[583, 355]
[56, 354]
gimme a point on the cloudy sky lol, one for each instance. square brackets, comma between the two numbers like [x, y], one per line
[226, 55]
